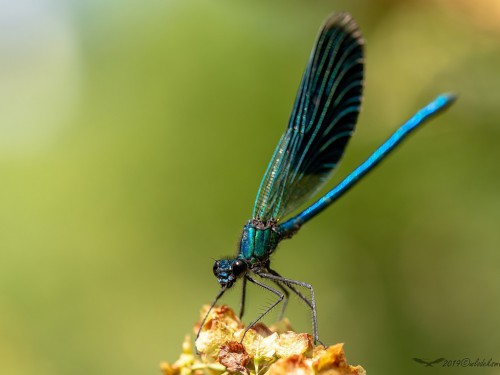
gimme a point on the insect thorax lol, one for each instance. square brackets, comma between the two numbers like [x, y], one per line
[258, 239]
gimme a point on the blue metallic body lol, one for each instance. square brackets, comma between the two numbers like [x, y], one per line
[258, 240]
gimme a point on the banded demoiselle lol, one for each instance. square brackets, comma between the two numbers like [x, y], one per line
[322, 121]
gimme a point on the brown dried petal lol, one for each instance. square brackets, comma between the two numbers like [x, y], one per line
[234, 356]
[262, 330]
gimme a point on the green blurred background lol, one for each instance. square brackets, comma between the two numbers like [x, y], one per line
[133, 137]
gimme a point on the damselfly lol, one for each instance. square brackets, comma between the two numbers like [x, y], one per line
[320, 126]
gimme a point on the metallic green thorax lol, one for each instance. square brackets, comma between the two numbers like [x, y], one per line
[258, 239]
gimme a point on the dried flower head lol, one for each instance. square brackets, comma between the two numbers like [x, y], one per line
[276, 350]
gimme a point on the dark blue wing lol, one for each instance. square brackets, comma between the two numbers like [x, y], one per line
[323, 118]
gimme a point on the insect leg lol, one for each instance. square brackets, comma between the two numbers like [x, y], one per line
[267, 287]
[312, 304]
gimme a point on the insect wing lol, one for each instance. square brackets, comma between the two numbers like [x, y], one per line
[322, 121]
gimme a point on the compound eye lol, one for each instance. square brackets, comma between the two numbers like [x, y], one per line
[216, 267]
[239, 267]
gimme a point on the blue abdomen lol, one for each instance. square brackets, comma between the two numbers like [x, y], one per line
[258, 240]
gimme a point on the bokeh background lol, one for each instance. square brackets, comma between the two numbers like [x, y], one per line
[133, 137]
